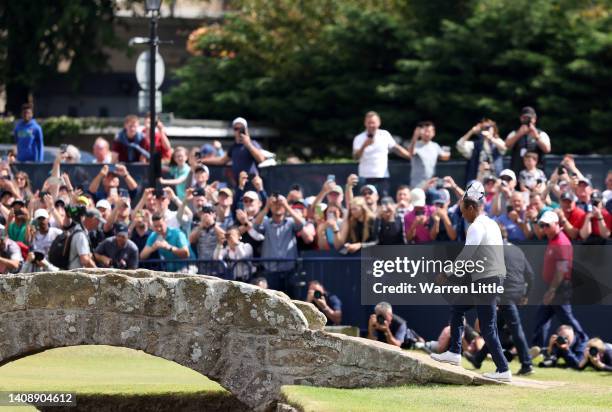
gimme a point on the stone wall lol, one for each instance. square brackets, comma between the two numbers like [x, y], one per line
[249, 340]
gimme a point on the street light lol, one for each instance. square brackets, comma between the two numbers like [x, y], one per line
[153, 7]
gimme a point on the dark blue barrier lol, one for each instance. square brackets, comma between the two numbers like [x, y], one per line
[340, 275]
[312, 176]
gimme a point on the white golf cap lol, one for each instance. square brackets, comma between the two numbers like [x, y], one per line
[103, 203]
[41, 213]
[475, 191]
[509, 173]
[418, 197]
[549, 217]
[240, 120]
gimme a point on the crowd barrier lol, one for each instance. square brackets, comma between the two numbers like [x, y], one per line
[312, 176]
[340, 274]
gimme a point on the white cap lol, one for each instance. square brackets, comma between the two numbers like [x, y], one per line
[418, 197]
[240, 120]
[549, 217]
[508, 172]
[104, 204]
[475, 191]
[41, 213]
[251, 195]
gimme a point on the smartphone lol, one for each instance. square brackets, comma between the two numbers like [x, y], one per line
[419, 212]
[221, 185]
[331, 177]
[63, 148]
[124, 193]
[509, 208]
[589, 208]
[113, 191]
[39, 256]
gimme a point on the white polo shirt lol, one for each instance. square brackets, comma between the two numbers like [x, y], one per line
[375, 158]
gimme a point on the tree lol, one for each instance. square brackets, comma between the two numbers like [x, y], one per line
[38, 35]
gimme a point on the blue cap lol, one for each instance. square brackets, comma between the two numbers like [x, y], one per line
[207, 149]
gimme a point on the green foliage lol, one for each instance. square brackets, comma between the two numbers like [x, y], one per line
[313, 68]
[6, 129]
[55, 129]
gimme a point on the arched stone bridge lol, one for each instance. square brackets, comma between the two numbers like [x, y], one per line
[249, 340]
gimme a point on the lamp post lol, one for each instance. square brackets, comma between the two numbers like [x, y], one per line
[152, 7]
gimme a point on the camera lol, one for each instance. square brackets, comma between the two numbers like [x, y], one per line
[242, 130]
[331, 177]
[527, 120]
[318, 294]
[197, 155]
[419, 212]
[38, 256]
[380, 319]
[561, 340]
[561, 170]
[593, 351]
[63, 148]
[275, 194]
[370, 136]
[199, 192]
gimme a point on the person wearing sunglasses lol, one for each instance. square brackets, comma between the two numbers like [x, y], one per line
[557, 274]
[245, 154]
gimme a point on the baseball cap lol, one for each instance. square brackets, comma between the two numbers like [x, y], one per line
[475, 191]
[227, 191]
[41, 213]
[103, 203]
[528, 110]
[584, 180]
[95, 213]
[207, 149]
[298, 204]
[418, 197]
[59, 202]
[251, 195]
[489, 178]
[83, 199]
[568, 196]
[442, 196]
[18, 201]
[387, 200]
[509, 173]
[549, 217]
[337, 189]
[201, 168]
[240, 120]
[368, 187]
[121, 229]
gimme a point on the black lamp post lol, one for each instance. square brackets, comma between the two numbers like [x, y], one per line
[153, 7]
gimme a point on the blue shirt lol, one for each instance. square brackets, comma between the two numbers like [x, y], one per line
[29, 140]
[515, 233]
[175, 237]
[242, 159]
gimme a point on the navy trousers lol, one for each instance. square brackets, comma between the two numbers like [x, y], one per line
[486, 308]
[543, 318]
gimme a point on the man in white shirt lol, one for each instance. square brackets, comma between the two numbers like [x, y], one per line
[371, 148]
[44, 234]
[483, 245]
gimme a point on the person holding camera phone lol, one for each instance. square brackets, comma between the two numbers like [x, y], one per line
[162, 143]
[514, 220]
[531, 178]
[371, 148]
[425, 154]
[598, 221]
[482, 144]
[36, 262]
[245, 154]
[527, 138]
[329, 305]
[567, 345]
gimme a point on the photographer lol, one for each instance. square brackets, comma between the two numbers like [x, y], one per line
[384, 326]
[10, 254]
[42, 234]
[80, 254]
[527, 139]
[507, 185]
[416, 221]
[106, 183]
[597, 223]
[565, 345]
[424, 153]
[36, 262]
[531, 178]
[390, 226]
[117, 251]
[514, 220]
[482, 144]
[441, 224]
[598, 354]
[234, 251]
[329, 305]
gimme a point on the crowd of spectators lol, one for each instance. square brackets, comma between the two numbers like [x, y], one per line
[187, 223]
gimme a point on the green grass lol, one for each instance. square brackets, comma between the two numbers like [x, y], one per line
[588, 391]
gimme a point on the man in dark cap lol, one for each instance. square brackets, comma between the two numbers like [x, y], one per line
[117, 251]
[527, 138]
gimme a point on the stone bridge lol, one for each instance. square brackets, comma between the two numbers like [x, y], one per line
[249, 340]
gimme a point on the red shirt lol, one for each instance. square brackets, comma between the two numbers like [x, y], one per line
[166, 153]
[576, 217]
[595, 222]
[559, 255]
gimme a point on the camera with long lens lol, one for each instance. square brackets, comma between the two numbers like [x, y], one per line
[526, 120]
[318, 294]
[380, 319]
[593, 351]
[75, 211]
[561, 340]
